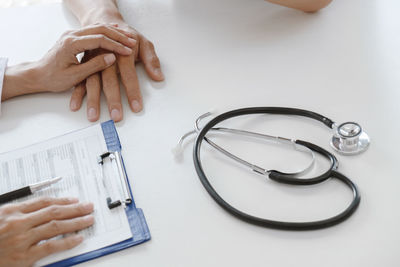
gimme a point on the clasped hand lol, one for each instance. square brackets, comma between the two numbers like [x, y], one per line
[143, 50]
[60, 70]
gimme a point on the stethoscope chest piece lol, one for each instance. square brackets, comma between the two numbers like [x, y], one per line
[350, 139]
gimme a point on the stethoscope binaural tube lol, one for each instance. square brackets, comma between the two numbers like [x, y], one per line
[277, 176]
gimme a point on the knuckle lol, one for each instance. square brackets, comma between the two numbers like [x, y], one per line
[102, 27]
[109, 76]
[8, 209]
[135, 47]
[55, 211]
[68, 41]
[19, 220]
[92, 82]
[135, 35]
[12, 223]
[79, 90]
[45, 201]
[55, 226]
[154, 60]
[69, 243]
[100, 39]
[24, 205]
[6, 226]
[49, 247]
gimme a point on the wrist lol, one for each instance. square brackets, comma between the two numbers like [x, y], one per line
[102, 15]
[20, 80]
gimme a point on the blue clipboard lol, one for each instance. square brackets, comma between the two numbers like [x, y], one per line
[137, 221]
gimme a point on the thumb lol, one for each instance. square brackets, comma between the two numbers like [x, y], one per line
[94, 65]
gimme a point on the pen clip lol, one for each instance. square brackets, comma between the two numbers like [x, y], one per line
[116, 158]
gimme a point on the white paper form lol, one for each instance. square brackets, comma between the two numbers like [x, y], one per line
[74, 157]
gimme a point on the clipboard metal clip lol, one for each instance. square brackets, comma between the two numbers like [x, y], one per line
[115, 158]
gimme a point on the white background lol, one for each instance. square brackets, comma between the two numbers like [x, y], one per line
[14, 3]
[342, 62]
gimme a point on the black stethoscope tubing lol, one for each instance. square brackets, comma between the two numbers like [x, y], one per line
[278, 176]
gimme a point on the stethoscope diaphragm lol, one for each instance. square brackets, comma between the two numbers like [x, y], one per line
[349, 139]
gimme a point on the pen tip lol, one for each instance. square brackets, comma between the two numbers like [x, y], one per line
[58, 178]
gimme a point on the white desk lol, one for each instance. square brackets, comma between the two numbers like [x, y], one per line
[343, 62]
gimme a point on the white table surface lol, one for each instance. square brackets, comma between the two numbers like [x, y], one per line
[343, 62]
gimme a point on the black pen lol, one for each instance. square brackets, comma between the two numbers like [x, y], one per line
[27, 190]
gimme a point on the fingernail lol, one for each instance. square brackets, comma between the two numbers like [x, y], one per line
[115, 114]
[92, 114]
[128, 50]
[73, 105]
[109, 59]
[159, 73]
[136, 107]
[132, 41]
[87, 206]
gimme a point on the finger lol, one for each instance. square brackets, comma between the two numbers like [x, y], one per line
[59, 227]
[150, 60]
[43, 202]
[77, 96]
[127, 33]
[93, 88]
[115, 26]
[126, 65]
[119, 35]
[42, 250]
[79, 72]
[112, 92]
[59, 212]
[90, 42]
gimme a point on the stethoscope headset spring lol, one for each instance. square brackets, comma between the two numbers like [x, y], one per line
[279, 176]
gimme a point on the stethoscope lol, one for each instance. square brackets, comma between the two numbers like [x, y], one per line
[348, 139]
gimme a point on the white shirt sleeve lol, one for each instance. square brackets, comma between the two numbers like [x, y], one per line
[3, 65]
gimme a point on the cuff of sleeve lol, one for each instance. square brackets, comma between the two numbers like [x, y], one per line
[3, 65]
